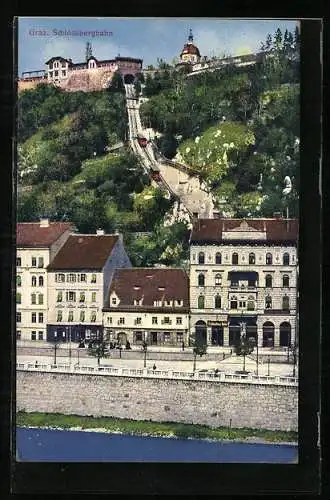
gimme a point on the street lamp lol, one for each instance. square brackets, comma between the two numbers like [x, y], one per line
[286, 191]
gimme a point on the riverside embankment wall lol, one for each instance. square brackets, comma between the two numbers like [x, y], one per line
[211, 403]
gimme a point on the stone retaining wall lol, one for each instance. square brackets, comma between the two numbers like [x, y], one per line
[240, 405]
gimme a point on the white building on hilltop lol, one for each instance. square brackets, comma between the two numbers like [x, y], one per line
[243, 277]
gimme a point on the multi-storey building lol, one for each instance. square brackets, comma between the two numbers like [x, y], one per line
[78, 279]
[148, 304]
[243, 276]
[37, 244]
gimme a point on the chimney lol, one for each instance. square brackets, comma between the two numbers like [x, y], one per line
[44, 222]
[100, 232]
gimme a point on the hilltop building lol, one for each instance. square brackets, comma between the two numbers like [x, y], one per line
[190, 54]
[243, 276]
[88, 76]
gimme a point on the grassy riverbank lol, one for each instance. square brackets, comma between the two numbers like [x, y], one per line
[148, 428]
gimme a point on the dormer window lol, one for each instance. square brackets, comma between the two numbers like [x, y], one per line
[179, 302]
[137, 302]
[168, 302]
[114, 301]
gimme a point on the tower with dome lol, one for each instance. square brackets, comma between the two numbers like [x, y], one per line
[190, 53]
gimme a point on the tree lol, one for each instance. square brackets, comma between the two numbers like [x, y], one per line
[244, 347]
[98, 348]
[199, 348]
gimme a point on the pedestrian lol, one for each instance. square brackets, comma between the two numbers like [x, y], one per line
[183, 346]
[154, 367]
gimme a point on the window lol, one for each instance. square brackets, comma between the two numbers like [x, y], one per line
[218, 258]
[251, 284]
[34, 262]
[40, 335]
[154, 320]
[18, 334]
[41, 281]
[18, 317]
[217, 279]
[40, 262]
[93, 296]
[56, 72]
[82, 297]
[40, 299]
[168, 302]
[93, 278]
[63, 72]
[286, 259]
[286, 280]
[83, 277]
[34, 281]
[121, 321]
[70, 316]
[201, 280]
[179, 302]
[59, 316]
[33, 298]
[71, 296]
[167, 320]
[138, 336]
[34, 317]
[201, 302]
[33, 335]
[114, 301]
[18, 298]
[252, 258]
[233, 303]
[234, 259]
[269, 281]
[167, 337]
[234, 283]
[138, 321]
[179, 337]
[269, 258]
[285, 303]
[250, 304]
[268, 302]
[59, 296]
[59, 278]
[18, 280]
[217, 302]
[41, 317]
[242, 304]
[179, 320]
[201, 258]
[71, 278]
[109, 319]
[82, 316]
[18, 261]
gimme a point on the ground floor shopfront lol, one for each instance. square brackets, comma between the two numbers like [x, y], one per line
[265, 330]
[73, 332]
[151, 336]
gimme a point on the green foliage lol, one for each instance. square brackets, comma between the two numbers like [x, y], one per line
[99, 349]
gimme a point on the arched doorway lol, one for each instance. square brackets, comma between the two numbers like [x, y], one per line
[122, 338]
[200, 331]
[129, 79]
[285, 334]
[268, 334]
[217, 335]
[234, 332]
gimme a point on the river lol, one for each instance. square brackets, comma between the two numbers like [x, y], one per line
[48, 445]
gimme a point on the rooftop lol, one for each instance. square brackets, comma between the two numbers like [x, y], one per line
[217, 230]
[84, 251]
[40, 234]
[150, 284]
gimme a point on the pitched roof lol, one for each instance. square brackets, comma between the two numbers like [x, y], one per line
[34, 234]
[58, 58]
[82, 251]
[149, 284]
[213, 230]
[190, 48]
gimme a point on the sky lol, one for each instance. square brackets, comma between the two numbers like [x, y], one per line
[39, 38]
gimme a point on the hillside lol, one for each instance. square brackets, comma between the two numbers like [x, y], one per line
[237, 127]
